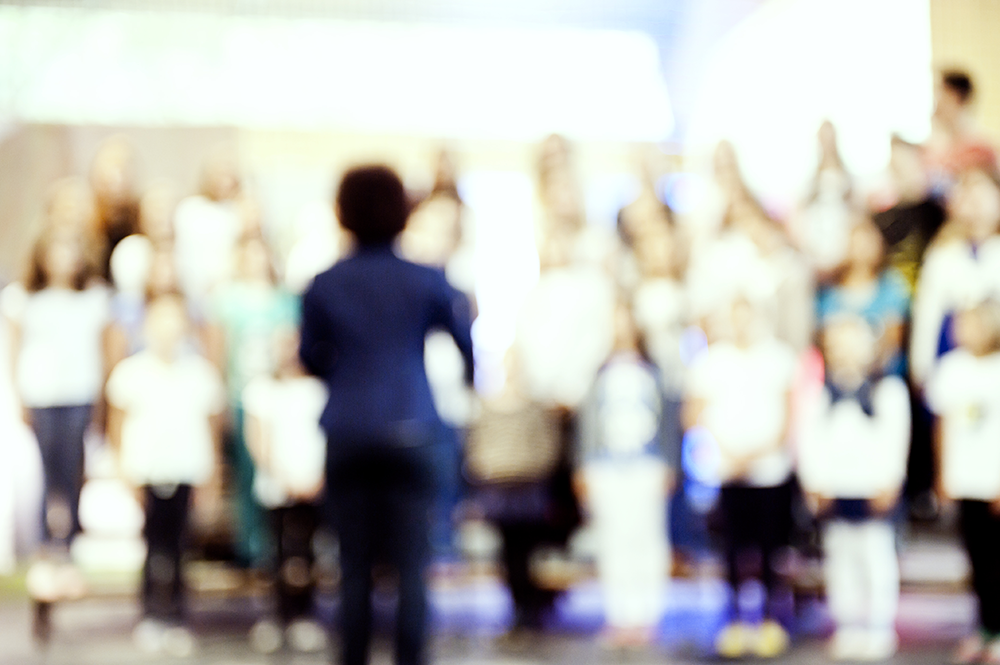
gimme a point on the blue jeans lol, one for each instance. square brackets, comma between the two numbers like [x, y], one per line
[60, 430]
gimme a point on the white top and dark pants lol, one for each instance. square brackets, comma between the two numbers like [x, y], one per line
[289, 410]
[166, 449]
[965, 392]
[745, 391]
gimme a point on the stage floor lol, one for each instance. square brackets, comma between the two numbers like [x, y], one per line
[470, 622]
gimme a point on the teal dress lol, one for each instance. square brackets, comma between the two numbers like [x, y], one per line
[249, 317]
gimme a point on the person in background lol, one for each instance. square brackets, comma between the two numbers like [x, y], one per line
[112, 179]
[865, 287]
[289, 452]
[956, 140]
[962, 265]
[364, 323]
[825, 220]
[623, 480]
[513, 453]
[739, 390]
[433, 237]
[912, 222]
[963, 390]
[57, 317]
[167, 402]
[207, 228]
[860, 413]
[243, 318]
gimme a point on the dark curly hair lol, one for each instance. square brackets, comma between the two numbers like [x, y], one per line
[372, 204]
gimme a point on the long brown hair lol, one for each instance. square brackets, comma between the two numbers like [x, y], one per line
[36, 278]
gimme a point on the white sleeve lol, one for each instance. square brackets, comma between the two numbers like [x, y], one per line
[928, 314]
[892, 413]
[214, 390]
[811, 441]
[700, 378]
[256, 398]
[122, 385]
[13, 301]
[940, 385]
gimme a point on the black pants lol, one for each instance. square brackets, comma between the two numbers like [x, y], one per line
[293, 528]
[520, 539]
[980, 529]
[755, 520]
[166, 523]
[381, 499]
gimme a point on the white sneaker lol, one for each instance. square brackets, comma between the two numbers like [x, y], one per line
[147, 636]
[848, 644]
[880, 644]
[42, 581]
[306, 636]
[265, 636]
[178, 642]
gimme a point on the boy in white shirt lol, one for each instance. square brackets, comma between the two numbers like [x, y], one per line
[739, 391]
[857, 415]
[964, 392]
[164, 402]
[289, 453]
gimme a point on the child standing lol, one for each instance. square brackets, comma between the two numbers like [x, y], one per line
[623, 479]
[166, 400]
[289, 453]
[739, 391]
[964, 391]
[858, 415]
[57, 318]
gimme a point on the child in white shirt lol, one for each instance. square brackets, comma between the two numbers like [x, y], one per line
[857, 415]
[739, 392]
[964, 392]
[164, 401]
[623, 478]
[289, 453]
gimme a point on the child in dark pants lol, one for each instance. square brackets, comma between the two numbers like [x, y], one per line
[739, 392]
[163, 406]
[964, 391]
[289, 452]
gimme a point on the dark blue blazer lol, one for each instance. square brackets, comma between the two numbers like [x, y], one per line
[363, 327]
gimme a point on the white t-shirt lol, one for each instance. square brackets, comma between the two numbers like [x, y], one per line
[289, 410]
[61, 355]
[565, 332]
[950, 279]
[746, 405]
[166, 434]
[205, 236]
[965, 392]
[844, 453]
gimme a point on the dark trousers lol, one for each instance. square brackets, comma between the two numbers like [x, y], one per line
[60, 431]
[755, 521]
[293, 528]
[980, 529]
[520, 539]
[167, 510]
[381, 499]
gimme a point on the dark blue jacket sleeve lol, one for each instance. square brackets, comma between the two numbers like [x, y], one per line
[454, 313]
[316, 350]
